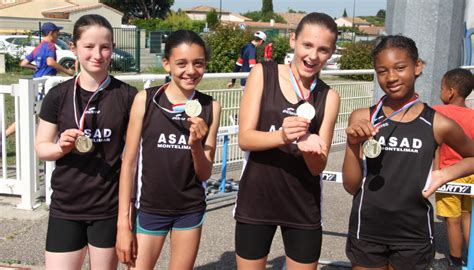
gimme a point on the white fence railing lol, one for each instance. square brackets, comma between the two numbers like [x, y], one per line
[25, 175]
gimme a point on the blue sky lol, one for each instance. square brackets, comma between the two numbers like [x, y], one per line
[335, 8]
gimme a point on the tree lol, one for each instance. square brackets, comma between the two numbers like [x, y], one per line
[258, 16]
[142, 9]
[345, 13]
[267, 6]
[381, 14]
[212, 19]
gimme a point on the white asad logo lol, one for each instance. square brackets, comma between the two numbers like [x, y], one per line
[290, 111]
[92, 110]
[178, 117]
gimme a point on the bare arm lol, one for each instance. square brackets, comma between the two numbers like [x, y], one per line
[124, 245]
[317, 160]
[250, 139]
[48, 147]
[449, 132]
[203, 157]
[359, 129]
[26, 64]
[52, 63]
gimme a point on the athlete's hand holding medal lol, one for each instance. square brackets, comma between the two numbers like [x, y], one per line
[364, 130]
[67, 139]
[198, 129]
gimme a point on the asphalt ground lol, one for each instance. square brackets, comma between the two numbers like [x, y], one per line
[22, 233]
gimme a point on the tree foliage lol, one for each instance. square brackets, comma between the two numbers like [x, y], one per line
[142, 9]
[173, 22]
[374, 20]
[381, 14]
[345, 13]
[357, 56]
[267, 6]
[224, 44]
[212, 19]
[258, 16]
[290, 10]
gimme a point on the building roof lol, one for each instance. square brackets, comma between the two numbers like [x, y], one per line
[357, 20]
[18, 2]
[240, 16]
[65, 11]
[292, 18]
[372, 30]
[204, 9]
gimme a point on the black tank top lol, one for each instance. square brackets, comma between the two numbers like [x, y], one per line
[167, 182]
[85, 186]
[390, 208]
[277, 187]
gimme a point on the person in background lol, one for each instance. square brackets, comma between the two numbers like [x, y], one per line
[268, 52]
[248, 57]
[44, 55]
[456, 86]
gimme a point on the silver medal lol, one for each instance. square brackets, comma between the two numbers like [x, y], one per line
[306, 110]
[372, 148]
[193, 108]
[84, 144]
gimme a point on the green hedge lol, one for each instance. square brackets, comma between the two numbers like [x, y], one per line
[224, 45]
[357, 56]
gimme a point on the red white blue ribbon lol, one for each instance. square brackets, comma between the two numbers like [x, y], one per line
[101, 87]
[297, 88]
[379, 105]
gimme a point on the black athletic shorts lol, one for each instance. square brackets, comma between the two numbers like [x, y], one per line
[252, 242]
[71, 235]
[400, 257]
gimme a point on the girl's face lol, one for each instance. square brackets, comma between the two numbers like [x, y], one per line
[397, 72]
[187, 64]
[313, 47]
[94, 49]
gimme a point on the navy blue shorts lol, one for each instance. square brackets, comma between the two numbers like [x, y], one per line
[160, 225]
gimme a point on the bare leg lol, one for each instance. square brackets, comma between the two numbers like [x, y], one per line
[148, 251]
[184, 248]
[466, 225]
[245, 264]
[65, 260]
[294, 265]
[10, 129]
[102, 258]
[453, 226]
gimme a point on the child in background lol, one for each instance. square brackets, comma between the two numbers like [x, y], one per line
[171, 141]
[391, 222]
[456, 86]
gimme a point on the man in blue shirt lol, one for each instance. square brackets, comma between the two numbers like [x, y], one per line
[248, 56]
[44, 55]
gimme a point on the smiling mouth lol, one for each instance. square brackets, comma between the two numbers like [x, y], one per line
[308, 65]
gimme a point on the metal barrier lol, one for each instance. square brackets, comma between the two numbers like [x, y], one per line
[31, 176]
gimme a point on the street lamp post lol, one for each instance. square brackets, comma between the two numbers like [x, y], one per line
[220, 10]
[353, 18]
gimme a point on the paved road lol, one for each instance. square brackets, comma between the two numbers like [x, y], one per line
[22, 233]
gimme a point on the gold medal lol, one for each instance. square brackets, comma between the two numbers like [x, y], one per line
[193, 108]
[83, 144]
[372, 148]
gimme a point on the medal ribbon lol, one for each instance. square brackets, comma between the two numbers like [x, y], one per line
[175, 108]
[297, 88]
[101, 87]
[378, 107]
